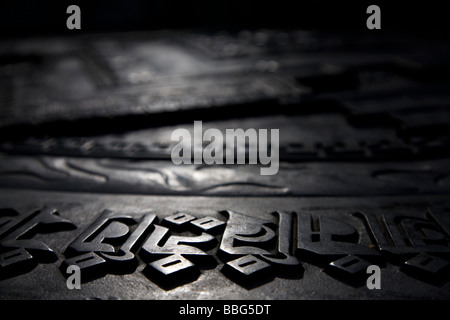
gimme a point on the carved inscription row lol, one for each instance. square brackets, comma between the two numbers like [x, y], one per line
[248, 249]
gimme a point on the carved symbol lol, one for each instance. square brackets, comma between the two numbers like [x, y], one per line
[208, 224]
[251, 245]
[407, 234]
[172, 271]
[416, 241]
[248, 270]
[19, 252]
[335, 244]
[433, 269]
[173, 259]
[18, 259]
[327, 237]
[178, 221]
[349, 269]
[108, 245]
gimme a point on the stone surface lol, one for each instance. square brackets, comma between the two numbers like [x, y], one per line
[86, 176]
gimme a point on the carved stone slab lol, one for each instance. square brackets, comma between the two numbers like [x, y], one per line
[164, 247]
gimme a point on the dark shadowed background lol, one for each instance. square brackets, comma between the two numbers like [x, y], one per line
[27, 17]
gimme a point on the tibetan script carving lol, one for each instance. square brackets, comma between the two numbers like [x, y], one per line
[108, 244]
[19, 252]
[249, 249]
